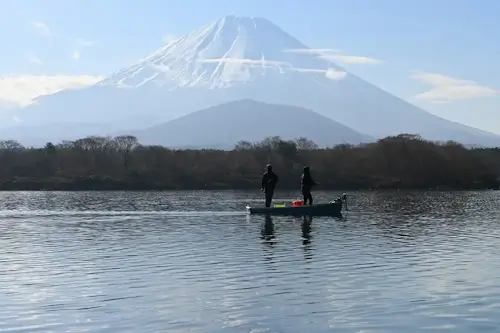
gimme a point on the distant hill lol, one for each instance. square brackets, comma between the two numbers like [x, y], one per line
[226, 124]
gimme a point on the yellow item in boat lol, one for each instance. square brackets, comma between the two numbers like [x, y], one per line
[279, 205]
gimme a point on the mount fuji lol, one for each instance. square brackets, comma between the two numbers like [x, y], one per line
[233, 58]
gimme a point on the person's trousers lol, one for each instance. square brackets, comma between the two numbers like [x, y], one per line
[307, 197]
[269, 198]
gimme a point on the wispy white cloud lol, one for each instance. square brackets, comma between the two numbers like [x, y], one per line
[349, 59]
[334, 74]
[33, 58]
[75, 55]
[312, 51]
[446, 89]
[333, 55]
[21, 90]
[80, 44]
[42, 28]
[245, 61]
[309, 70]
[330, 73]
[170, 38]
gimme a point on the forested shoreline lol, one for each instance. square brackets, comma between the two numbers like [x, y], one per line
[102, 163]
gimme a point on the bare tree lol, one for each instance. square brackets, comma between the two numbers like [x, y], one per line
[125, 144]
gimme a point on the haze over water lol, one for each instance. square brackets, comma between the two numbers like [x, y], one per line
[195, 262]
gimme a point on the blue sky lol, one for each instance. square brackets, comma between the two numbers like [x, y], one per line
[441, 55]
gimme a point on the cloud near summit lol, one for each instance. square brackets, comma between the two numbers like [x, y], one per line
[335, 55]
[330, 73]
[244, 61]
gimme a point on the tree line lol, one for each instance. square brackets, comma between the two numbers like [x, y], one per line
[404, 161]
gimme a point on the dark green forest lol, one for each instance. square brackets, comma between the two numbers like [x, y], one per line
[121, 163]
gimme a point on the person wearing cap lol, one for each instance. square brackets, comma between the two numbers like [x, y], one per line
[306, 184]
[269, 180]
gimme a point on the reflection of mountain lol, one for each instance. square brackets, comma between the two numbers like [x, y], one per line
[231, 59]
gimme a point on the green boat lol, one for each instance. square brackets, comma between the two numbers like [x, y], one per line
[333, 208]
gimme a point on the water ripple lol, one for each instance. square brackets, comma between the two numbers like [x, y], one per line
[195, 262]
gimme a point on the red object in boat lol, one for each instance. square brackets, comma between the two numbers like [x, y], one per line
[297, 203]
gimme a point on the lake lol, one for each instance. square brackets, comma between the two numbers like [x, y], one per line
[195, 262]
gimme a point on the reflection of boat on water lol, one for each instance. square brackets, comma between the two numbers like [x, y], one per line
[333, 208]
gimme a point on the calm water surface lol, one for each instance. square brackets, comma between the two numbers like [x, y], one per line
[195, 262]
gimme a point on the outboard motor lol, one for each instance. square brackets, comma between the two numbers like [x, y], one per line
[339, 201]
[344, 197]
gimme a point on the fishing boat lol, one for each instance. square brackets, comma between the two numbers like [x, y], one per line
[333, 208]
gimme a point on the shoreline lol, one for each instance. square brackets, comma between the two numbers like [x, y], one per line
[89, 185]
[403, 162]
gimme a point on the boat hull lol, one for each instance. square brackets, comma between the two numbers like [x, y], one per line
[326, 209]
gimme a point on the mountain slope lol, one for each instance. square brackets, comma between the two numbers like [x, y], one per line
[249, 120]
[241, 58]
[226, 53]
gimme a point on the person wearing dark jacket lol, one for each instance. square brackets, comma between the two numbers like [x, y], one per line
[269, 180]
[306, 184]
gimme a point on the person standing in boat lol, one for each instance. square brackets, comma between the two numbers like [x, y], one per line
[269, 180]
[306, 184]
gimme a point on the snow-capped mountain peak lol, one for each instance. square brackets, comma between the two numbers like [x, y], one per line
[232, 50]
